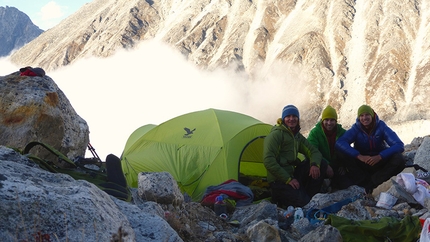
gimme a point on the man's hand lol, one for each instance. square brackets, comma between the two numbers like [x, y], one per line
[294, 183]
[329, 172]
[363, 158]
[314, 172]
[374, 160]
[369, 160]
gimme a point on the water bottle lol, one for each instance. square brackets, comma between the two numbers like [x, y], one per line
[289, 212]
[298, 215]
[220, 206]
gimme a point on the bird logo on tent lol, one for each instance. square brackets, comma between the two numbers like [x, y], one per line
[189, 132]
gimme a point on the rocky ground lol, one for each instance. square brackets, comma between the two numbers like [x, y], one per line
[34, 201]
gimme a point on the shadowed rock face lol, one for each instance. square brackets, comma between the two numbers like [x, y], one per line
[16, 30]
[342, 53]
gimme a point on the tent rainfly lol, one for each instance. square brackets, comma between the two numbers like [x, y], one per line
[199, 149]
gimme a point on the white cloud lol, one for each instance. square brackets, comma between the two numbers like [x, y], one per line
[154, 83]
[51, 11]
[7, 67]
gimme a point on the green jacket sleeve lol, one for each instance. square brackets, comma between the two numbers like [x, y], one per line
[276, 169]
[318, 139]
[313, 136]
[309, 151]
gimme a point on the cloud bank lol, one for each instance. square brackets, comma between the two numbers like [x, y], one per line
[154, 83]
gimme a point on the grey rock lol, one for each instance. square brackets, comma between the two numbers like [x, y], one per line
[33, 200]
[423, 154]
[301, 227]
[147, 226]
[321, 200]
[264, 231]
[246, 215]
[159, 187]
[35, 109]
[322, 234]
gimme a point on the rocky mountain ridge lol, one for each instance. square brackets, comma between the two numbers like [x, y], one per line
[342, 53]
[16, 30]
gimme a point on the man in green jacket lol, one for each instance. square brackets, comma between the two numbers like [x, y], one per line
[292, 181]
[323, 136]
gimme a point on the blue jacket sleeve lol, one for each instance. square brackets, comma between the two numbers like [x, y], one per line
[395, 145]
[343, 143]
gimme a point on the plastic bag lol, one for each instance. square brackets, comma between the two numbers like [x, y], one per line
[418, 188]
[386, 200]
[407, 180]
[425, 232]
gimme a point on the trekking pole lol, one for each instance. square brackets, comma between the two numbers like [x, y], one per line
[93, 151]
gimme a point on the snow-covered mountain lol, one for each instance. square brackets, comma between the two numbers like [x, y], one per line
[339, 52]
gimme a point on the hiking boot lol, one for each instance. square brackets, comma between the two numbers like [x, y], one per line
[325, 188]
[369, 200]
[368, 188]
[368, 191]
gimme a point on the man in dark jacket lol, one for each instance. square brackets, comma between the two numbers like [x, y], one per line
[293, 181]
[323, 136]
[377, 152]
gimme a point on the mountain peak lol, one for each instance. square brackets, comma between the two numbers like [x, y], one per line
[342, 53]
[16, 30]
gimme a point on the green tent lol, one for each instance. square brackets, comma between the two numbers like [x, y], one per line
[198, 149]
[137, 134]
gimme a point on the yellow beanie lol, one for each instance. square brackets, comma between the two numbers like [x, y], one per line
[365, 109]
[329, 112]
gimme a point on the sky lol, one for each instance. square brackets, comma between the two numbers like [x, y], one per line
[44, 13]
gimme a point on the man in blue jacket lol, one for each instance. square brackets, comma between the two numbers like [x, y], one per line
[377, 152]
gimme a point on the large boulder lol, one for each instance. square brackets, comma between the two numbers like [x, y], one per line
[36, 204]
[160, 187]
[33, 108]
[422, 154]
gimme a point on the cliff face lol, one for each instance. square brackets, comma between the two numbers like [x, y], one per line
[16, 30]
[343, 53]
